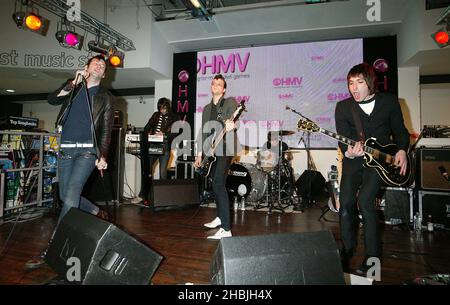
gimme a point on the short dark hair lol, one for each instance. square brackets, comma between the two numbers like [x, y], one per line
[99, 57]
[220, 76]
[367, 72]
[164, 102]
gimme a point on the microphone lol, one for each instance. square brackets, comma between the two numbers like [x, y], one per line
[444, 173]
[288, 108]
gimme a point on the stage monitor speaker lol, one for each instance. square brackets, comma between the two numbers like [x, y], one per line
[175, 193]
[110, 186]
[310, 258]
[106, 254]
[313, 179]
[434, 169]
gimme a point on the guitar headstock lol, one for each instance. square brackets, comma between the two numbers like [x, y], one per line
[241, 106]
[305, 125]
[239, 110]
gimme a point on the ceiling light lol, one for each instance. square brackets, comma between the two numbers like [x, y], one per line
[69, 39]
[441, 38]
[32, 22]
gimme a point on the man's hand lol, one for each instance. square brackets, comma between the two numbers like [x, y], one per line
[229, 125]
[79, 76]
[401, 161]
[355, 151]
[101, 164]
[198, 161]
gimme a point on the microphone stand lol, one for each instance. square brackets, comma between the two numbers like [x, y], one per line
[94, 136]
[309, 202]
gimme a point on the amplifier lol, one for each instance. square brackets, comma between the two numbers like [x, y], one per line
[433, 168]
[436, 204]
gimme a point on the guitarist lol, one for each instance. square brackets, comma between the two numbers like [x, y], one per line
[217, 113]
[366, 114]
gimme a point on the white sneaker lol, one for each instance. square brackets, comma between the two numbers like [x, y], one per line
[220, 234]
[137, 200]
[213, 224]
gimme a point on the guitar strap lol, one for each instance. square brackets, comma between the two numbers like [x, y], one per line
[220, 110]
[357, 120]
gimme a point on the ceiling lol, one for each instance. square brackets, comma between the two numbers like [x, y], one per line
[33, 81]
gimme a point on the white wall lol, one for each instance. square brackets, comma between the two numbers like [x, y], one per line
[42, 110]
[409, 97]
[435, 104]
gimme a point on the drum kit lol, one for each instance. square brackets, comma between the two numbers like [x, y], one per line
[268, 184]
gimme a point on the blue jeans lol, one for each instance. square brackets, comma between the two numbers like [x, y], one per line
[75, 165]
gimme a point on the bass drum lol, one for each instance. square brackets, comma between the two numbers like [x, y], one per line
[246, 180]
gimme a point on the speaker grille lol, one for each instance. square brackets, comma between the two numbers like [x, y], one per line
[308, 258]
[107, 255]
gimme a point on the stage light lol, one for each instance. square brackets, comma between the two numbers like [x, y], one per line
[198, 9]
[32, 22]
[115, 57]
[441, 38]
[69, 39]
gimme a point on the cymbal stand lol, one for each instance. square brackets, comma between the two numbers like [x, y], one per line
[308, 202]
[279, 206]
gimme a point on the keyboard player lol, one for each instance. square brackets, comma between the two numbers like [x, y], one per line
[159, 125]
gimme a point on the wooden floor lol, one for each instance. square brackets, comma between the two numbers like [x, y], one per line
[179, 237]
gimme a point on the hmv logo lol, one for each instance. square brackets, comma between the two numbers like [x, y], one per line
[287, 81]
[216, 64]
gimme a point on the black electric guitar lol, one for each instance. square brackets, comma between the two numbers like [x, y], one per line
[210, 158]
[380, 157]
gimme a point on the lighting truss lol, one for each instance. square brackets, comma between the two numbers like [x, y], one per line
[88, 23]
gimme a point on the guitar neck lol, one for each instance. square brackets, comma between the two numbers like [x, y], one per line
[220, 136]
[345, 140]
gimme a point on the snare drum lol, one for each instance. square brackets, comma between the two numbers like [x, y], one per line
[246, 180]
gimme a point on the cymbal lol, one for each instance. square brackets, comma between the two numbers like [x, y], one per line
[285, 132]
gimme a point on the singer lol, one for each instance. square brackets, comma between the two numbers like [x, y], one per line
[81, 150]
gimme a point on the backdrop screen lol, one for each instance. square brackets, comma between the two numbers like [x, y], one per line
[307, 77]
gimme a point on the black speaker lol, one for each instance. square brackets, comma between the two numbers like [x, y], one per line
[433, 164]
[313, 179]
[436, 205]
[110, 186]
[397, 203]
[310, 258]
[175, 193]
[106, 254]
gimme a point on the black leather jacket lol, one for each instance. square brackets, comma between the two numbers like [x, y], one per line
[102, 112]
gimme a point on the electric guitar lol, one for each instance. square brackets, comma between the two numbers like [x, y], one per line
[380, 157]
[210, 158]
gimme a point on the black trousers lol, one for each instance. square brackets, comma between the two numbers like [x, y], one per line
[358, 188]
[219, 173]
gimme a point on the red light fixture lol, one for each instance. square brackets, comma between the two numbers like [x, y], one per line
[441, 38]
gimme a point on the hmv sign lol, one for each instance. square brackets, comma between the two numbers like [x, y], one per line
[220, 64]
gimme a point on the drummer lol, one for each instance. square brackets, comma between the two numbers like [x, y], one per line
[268, 155]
